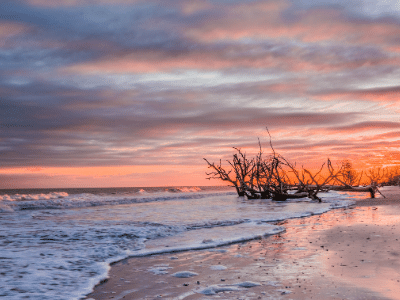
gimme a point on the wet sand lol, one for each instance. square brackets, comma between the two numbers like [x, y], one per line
[351, 253]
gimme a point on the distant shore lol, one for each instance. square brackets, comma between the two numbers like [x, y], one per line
[348, 253]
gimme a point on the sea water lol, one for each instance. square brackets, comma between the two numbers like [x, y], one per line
[58, 244]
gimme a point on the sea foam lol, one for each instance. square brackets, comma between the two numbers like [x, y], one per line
[58, 246]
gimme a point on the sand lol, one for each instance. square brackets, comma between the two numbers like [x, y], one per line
[351, 253]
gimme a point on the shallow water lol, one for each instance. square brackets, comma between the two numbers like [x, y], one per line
[57, 245]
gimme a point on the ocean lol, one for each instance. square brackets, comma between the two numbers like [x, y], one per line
[59, 243]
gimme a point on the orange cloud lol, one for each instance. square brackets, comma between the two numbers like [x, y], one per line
[116, 176]
[383, 136]
[381, 95]
[84, 171]
[365, 144]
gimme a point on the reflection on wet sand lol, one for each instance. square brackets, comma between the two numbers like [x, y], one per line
[342, 254]
[371, 258]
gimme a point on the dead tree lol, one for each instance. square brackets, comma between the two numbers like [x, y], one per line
[244, 171]
[346, 178]
[392, 176]
[270, 177]
[319, 182]
[220, 173]
[376, 175]
[241, 174]
[349, 176]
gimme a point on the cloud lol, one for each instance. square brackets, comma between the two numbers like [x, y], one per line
[384, 136]
[94, 177]
[259, 56]
[55, 36]
[151, 38]
[385, 94]
[8, 29]
[371, 125]
[97, 83]
[68, 3]
[282, 20]
[49, 125]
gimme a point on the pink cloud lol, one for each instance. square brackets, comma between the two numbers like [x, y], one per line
[8, 29]
[189, 7]
[265, 20]
[159, 61]
[391, 94]
[297, 87]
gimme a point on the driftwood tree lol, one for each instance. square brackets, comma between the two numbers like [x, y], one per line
[348, 176]
[218, 172]
[376, 175]
[392, 176]
[347, 179]
[311, 183]
[384, 175]
[269, 177]
[273, 176]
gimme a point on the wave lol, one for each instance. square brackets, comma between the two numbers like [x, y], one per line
[45, 194]
[76, 247]
[19, 197]
[62, 200]
[183, 189]
[207, 238]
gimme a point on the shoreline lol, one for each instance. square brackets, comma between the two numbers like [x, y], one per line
[348, 253]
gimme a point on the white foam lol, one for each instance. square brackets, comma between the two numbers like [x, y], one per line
[47, 252]
[219, 288]
[274, 283]
[160, 270]
[5, 208]
[43, 258]
[184, 274]
[184, 189]
[19, 197]
[248, 284]
[218, 250]
[61, 200]
[218, 267]
[216, 237]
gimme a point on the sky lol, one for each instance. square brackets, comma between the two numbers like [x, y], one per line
[101, 93]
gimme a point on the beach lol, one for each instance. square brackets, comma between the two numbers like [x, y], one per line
[196, 243]
[199, 149]
[345, 253]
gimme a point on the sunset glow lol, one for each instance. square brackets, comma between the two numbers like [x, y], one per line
[136, 93]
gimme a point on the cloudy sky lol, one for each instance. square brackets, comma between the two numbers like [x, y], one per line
[136, 93]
